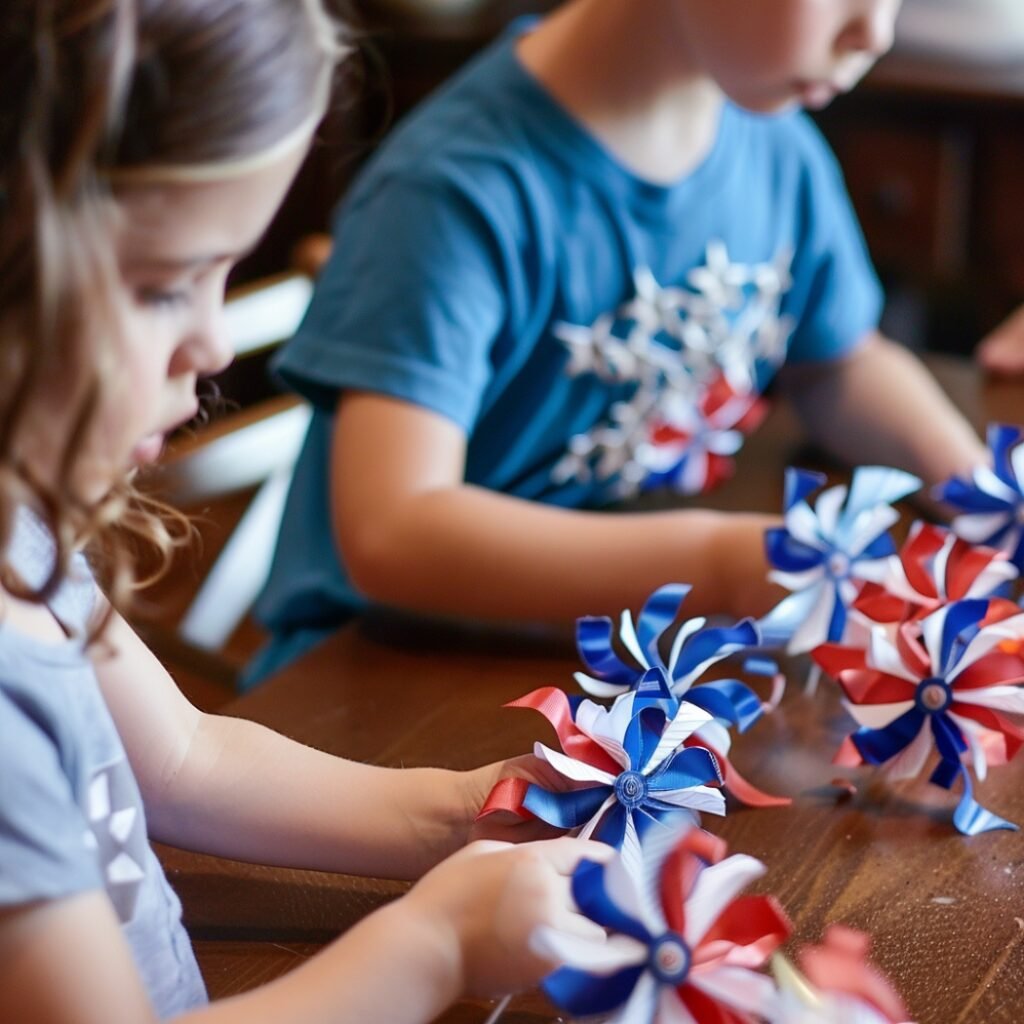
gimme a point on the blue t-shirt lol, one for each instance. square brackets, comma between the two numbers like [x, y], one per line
[590, 331]
[71, 815]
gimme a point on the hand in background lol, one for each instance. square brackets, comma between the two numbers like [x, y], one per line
[1002, 351]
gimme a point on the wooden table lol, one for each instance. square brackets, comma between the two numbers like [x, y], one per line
[946, 912]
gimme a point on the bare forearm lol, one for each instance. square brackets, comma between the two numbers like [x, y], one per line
[466, 551]
[881, 406]
[387, 968]
[248, 793]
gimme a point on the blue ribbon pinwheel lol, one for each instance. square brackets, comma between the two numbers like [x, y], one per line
[683, 947]
[694, 649]
[824, 553]
[628, 763]
[992, 501]
[949, 682]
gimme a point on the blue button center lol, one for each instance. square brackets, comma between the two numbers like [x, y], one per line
[631, 789]
[838, 565]
[933, 695]
[670, 959]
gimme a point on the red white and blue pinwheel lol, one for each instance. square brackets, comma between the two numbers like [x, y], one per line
[991, 502]
[838, 985]
[935, 568]
[683, 946]
[627, 763]
[694, 649]
[949, 682]
[823, 553]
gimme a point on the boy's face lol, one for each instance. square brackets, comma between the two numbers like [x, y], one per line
[769, 54]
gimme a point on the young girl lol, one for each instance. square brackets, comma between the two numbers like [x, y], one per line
[144, 145]
[567, 277]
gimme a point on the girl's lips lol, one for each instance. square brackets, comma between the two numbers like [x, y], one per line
[149, 449]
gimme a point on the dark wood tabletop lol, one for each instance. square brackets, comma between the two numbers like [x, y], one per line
[946, 912]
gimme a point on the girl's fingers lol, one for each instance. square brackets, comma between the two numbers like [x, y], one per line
[564, 854]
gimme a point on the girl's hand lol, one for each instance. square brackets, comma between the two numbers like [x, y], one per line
[483, 905]
[505, 826]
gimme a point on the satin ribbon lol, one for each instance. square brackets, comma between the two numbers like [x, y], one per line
[683, 944]
[934, 567]
[628, 767]
[824, 553]
[695, 648]
[945, 675]
[990, 501]
[838, 985]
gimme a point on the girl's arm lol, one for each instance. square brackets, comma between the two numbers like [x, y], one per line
[880, 405]
[465, 929]
[414, 535]
[237, 789]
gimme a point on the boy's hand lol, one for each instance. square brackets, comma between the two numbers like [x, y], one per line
[1002, 351]
[742, 566]
[483, 905]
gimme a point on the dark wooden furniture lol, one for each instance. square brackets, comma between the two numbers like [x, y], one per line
[932, 156]
[946, 912]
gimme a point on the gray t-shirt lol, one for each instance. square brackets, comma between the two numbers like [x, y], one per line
[71, 815]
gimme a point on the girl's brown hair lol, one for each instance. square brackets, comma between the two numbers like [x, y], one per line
[90, 90]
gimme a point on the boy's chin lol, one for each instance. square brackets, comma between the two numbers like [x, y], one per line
[768, 105]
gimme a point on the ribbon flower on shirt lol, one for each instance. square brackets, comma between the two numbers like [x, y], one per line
[992, 501]
[695, 648]
[950, 682]
[628, 763]
[690, 444]
[824, 553]
[683, 947]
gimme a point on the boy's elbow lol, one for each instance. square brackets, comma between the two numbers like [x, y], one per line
[375, 559]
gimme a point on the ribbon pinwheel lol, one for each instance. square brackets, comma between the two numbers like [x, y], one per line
[992, 501]
[695, 648]
[627, 762]
[838, 985]
[823, 554]
[690, 444]
[683, 947]
[935, 568]
[950, 681]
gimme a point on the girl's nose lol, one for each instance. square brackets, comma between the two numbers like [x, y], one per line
[207, 349]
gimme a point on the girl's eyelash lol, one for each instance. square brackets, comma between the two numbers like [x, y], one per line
[160, 298]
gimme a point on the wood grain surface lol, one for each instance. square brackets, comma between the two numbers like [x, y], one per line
[946, 912]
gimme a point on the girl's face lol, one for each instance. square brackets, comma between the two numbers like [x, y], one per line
[175, 245]
[769, 54]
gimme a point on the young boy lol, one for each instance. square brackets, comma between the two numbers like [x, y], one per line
[568, 277]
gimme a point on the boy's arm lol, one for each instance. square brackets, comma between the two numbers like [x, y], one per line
[879, 405]
[414, 535]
